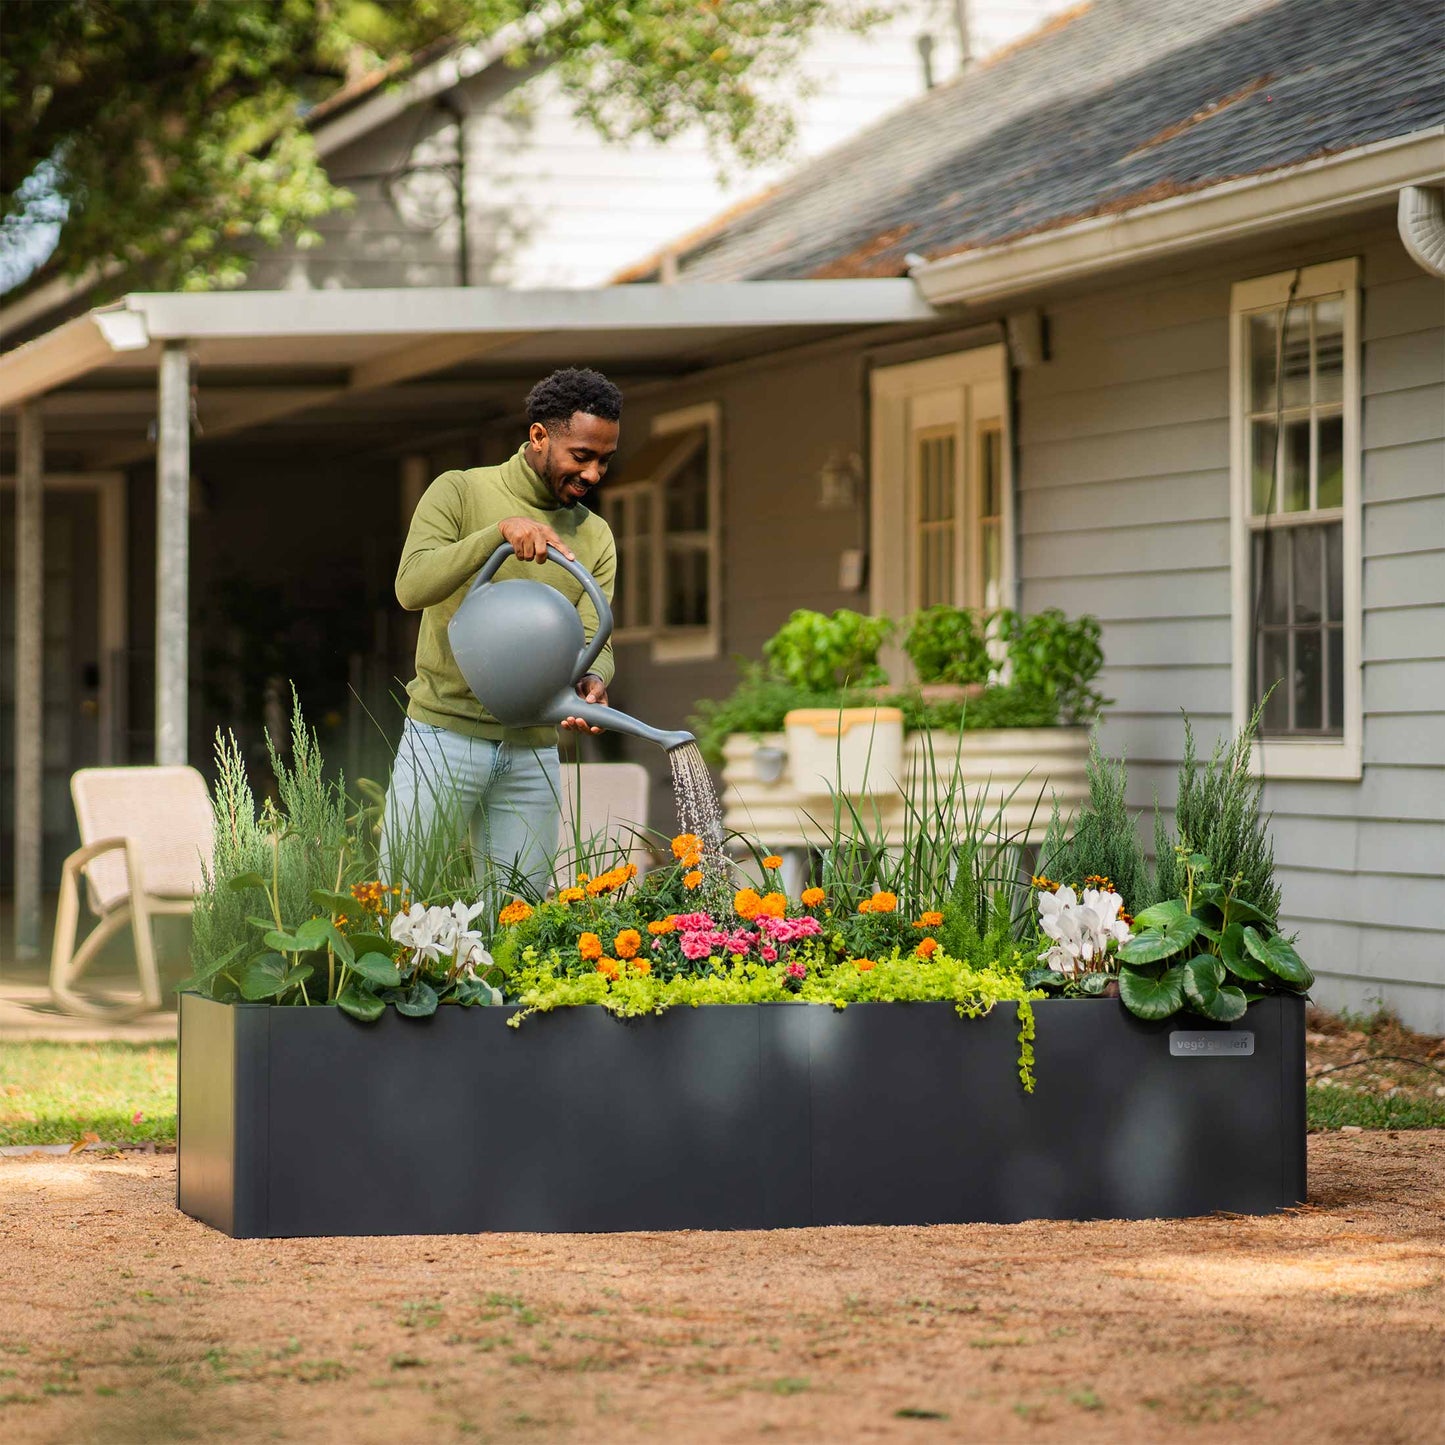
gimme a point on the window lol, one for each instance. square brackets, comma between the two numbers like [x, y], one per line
[1295, 518]
[941, 503]
[662, 506]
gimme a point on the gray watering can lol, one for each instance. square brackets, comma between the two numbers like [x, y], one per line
[521, 648]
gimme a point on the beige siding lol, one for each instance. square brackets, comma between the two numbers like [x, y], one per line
[1124, 508]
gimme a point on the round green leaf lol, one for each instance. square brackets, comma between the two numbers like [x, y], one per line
[360, 1005]
[377, 968]
[1279, 957]
[1205, 988]
[419, 1001]
[244, 881]
[1236, 959]
[263, 977]
[334, 902]
[1152, 996]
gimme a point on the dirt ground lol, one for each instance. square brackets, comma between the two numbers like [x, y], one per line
[124, 1321]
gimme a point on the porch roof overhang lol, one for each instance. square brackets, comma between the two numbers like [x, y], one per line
[341, 356]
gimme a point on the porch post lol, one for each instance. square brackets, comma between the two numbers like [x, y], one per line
[173, 487]
[29, 674]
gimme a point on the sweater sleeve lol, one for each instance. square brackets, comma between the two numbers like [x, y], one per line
[437, 557]
[604, 573]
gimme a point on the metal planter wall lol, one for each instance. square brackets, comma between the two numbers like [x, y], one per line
[300, 1121]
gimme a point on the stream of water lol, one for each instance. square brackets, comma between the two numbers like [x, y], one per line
[699, 812]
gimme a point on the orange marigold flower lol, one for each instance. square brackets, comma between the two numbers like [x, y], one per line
[746, 903]
[928, 920]
[583, 877]
[772, 905]
[571, 895]
[515, 912]
[866, 906]
[684, 844]
[692, 879]
[626, 944]
[642, 965]
[864, 965]
[589, 946]
[662, 925]
[1046, 885]
[630, 871]
[927, 948]
[883, 903]
[772, 861]
[812, 897]
[609, 968]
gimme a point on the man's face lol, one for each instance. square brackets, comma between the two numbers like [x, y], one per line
[573, 460]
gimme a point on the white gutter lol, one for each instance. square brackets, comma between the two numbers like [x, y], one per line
[1333, 186]
[72, 349]
[1421, 223]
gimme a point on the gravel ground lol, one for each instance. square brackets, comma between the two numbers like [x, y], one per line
[122, 1320]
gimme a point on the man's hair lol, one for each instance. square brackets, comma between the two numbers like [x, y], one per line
[554, 400]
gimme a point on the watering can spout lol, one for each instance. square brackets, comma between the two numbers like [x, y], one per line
[598, 716]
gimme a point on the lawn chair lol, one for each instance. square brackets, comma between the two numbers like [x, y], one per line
[613, 814]
[144, 832]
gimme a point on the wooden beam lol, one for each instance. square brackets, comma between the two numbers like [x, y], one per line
[436, 353]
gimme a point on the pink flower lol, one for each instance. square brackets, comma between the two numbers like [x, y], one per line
[656, 944]
[769, 953]
[789, 930]
[137, 1117]
[696, 945]
[739, 941]
[692, 922]
[797, 970]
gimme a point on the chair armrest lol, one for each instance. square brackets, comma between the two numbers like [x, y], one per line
[84, 855]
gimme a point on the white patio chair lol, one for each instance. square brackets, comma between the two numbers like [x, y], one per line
[613, 812]
[144, 832]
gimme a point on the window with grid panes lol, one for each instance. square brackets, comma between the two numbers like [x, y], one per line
[936, 524]
[1296, 516]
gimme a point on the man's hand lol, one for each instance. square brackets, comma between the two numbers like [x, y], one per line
[530, 539]
[590, 689]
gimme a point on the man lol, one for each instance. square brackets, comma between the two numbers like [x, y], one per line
[456, 763]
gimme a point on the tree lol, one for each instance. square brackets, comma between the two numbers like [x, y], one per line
[171, 138]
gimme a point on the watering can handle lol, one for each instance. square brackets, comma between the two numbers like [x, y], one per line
[588, 655]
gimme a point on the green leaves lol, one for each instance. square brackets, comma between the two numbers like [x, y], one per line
[1151, 995]
[1166, 929]
[242, 882]
[1205, 988]
[360, 1004]
[418, 1002]
[1279, 957]
[1236, 959]
[378, 969]
[269, 977]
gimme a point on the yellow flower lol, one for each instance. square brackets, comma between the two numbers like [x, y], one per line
[746, 903]
[927, 948]
[1046, 885]
[812, 897]
[692, 879]
[883, 903]
[626, 944]
[772, 861]
[864, 965]
[609, 968]
[928, 920]
[662, 925]
[571, 895]
[515, 912]
[589, 946]
[771, 905]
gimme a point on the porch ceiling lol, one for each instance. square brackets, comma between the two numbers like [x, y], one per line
[287, 365]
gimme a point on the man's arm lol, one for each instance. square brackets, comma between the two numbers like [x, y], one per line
[593, 685]
[437, 559]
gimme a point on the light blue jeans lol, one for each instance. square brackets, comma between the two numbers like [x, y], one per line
[505, 796]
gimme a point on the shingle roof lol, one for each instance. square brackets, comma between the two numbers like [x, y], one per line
[1114, 105]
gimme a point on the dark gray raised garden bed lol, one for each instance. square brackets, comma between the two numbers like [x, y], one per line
[298, 1121]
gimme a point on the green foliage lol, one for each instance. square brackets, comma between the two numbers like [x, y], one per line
[173, 137]
[1218, 814]
[1332, 1108]
[821, 653]
[1004, 705]
[1210, 949]
[1051, 655]
[947, 644]
[1105, 841]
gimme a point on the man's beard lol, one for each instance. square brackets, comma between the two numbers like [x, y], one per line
[557, 485]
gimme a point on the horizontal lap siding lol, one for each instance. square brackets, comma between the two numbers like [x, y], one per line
[1124, 513]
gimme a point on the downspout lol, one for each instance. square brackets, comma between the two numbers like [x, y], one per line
[1421, 222]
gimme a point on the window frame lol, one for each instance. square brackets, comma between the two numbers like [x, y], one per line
[1276, 757]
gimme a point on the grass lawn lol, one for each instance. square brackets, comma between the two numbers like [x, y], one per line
[1333, 1108]
[58, 1093]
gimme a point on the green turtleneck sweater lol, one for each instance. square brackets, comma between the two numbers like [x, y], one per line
[453, 531]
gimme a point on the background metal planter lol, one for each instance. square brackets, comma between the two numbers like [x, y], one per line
[299, 1121]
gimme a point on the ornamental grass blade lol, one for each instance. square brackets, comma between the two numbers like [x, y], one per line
[1152, 996]
[1205, 988]
[1279, 957]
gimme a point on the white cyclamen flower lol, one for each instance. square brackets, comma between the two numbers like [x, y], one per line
[1082, 931]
